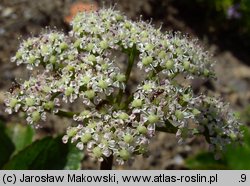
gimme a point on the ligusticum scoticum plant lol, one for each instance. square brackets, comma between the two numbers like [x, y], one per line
[115, 121]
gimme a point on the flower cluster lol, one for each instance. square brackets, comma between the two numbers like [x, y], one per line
[81, 66]
[217, 123]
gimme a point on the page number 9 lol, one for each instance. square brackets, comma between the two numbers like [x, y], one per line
[243, 178]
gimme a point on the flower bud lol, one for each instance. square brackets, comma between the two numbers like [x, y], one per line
[147, 60]
[72, 131]
[13, 102]
[49, 105]
[102, 84]
[123, 116]
[86, 137]
[142, 129]
[91, 58]
[128, 138]
[97, 151]
[121, 77]
[124, 154]
[29, 102]
[186, 65]
[69, 91]
[136, 103]
[36, 116]
[90, 94]
[169, 64]
[104, 45]
[152, 118]
[63, 46]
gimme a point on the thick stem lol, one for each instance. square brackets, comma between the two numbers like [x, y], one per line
[107, 163]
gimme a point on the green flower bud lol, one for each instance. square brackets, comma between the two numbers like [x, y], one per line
[169, 64]
[102, 84]
[142, 129]
[121, 77]
[44, 49]
[137, 103]
[127, 25]
[90, 94]
[104, 44]
[36, 116]
[186, 65]
[18, 55]
[72, 131]
[162, 54]
[86, 80]
[49, 105]
[29, 102]
[124, 154]
[147, 60]
[128, 138]
[119, 18]
[91, 125]
[144, 34]
[77, 43]
[149, 47]
[91, 58]
[53, 37]
[123, 116]
[71, 57]
[32, 59]
[86, 137]
[89, 47]
[69, 91]
[52, 59]
[85, 113]
[97, 151]
[13, 102]
[152, 118]
[142, 149]
[63, 46]
[147, 87]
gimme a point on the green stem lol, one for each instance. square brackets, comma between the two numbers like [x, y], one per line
[66, 114]
[132, 54]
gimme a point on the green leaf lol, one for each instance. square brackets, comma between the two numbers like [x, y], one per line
[237, 156]
[205, 161]
[48, 153]
[6, 146]
[20, 135]
[74, 158]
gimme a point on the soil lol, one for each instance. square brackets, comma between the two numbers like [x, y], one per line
[20, 19]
